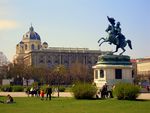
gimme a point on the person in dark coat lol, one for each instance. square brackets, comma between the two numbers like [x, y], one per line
[104, 92]
[48, 92]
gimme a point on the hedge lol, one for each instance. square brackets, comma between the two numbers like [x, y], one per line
[126, 91]
[84, 91]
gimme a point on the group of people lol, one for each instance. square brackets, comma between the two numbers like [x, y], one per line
[48, 93]
[40, 92]
[104, 92]
[33, 91]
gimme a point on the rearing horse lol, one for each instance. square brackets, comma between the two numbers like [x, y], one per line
[120, 41]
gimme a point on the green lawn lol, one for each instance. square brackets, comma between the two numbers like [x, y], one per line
[70, 105]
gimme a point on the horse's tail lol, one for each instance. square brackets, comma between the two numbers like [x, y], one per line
[129, 43]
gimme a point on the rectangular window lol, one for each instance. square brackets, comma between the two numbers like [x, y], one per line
[96, 74]
[118, 74]
[101, 73]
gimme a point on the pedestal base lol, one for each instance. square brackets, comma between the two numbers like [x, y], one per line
[111, 69]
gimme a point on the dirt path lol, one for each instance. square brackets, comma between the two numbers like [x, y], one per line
[63, 94]
[23, 94]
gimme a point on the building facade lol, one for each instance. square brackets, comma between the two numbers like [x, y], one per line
[143, 66]
[32, 52]
[141, 70]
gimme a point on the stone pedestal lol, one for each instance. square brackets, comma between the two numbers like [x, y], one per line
[111, 69]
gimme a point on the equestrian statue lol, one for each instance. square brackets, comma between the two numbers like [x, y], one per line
[115, 36]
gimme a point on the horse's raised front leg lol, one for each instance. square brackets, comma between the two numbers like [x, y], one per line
[102, 42]
[101, 39]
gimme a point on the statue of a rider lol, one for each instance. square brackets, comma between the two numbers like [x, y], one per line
[116, 31]
[115, 36]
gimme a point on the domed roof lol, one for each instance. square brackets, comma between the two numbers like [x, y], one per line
[45, 44]
[31, 34]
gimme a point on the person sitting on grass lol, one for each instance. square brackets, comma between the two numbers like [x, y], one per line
[9, 100]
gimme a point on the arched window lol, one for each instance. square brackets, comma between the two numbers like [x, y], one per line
[38, 47]
[32, 46]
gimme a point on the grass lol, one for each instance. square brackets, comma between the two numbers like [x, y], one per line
[70, 105]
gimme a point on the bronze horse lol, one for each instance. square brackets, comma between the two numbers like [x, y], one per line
[120, 41]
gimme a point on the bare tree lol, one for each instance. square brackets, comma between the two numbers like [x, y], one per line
[80, 72]
[60, 72]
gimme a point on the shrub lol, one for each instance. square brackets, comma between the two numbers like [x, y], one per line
[34, 84]
[17, 88]
[27, 88]
[126, 91]
[84, 91]
[6, 88]
[62, 88]
[68, 88]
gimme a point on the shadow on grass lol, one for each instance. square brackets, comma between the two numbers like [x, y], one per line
[141, 100]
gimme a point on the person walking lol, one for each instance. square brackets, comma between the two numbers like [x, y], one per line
[42, 94]
[48, 92]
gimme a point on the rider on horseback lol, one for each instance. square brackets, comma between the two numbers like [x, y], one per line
[116, 31]
[119, 36]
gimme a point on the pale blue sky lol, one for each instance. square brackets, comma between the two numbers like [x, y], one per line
[75, 23]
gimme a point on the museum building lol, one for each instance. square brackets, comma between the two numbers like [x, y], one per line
[32, 52]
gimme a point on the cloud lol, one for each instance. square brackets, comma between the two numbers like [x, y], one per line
[8, 24]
